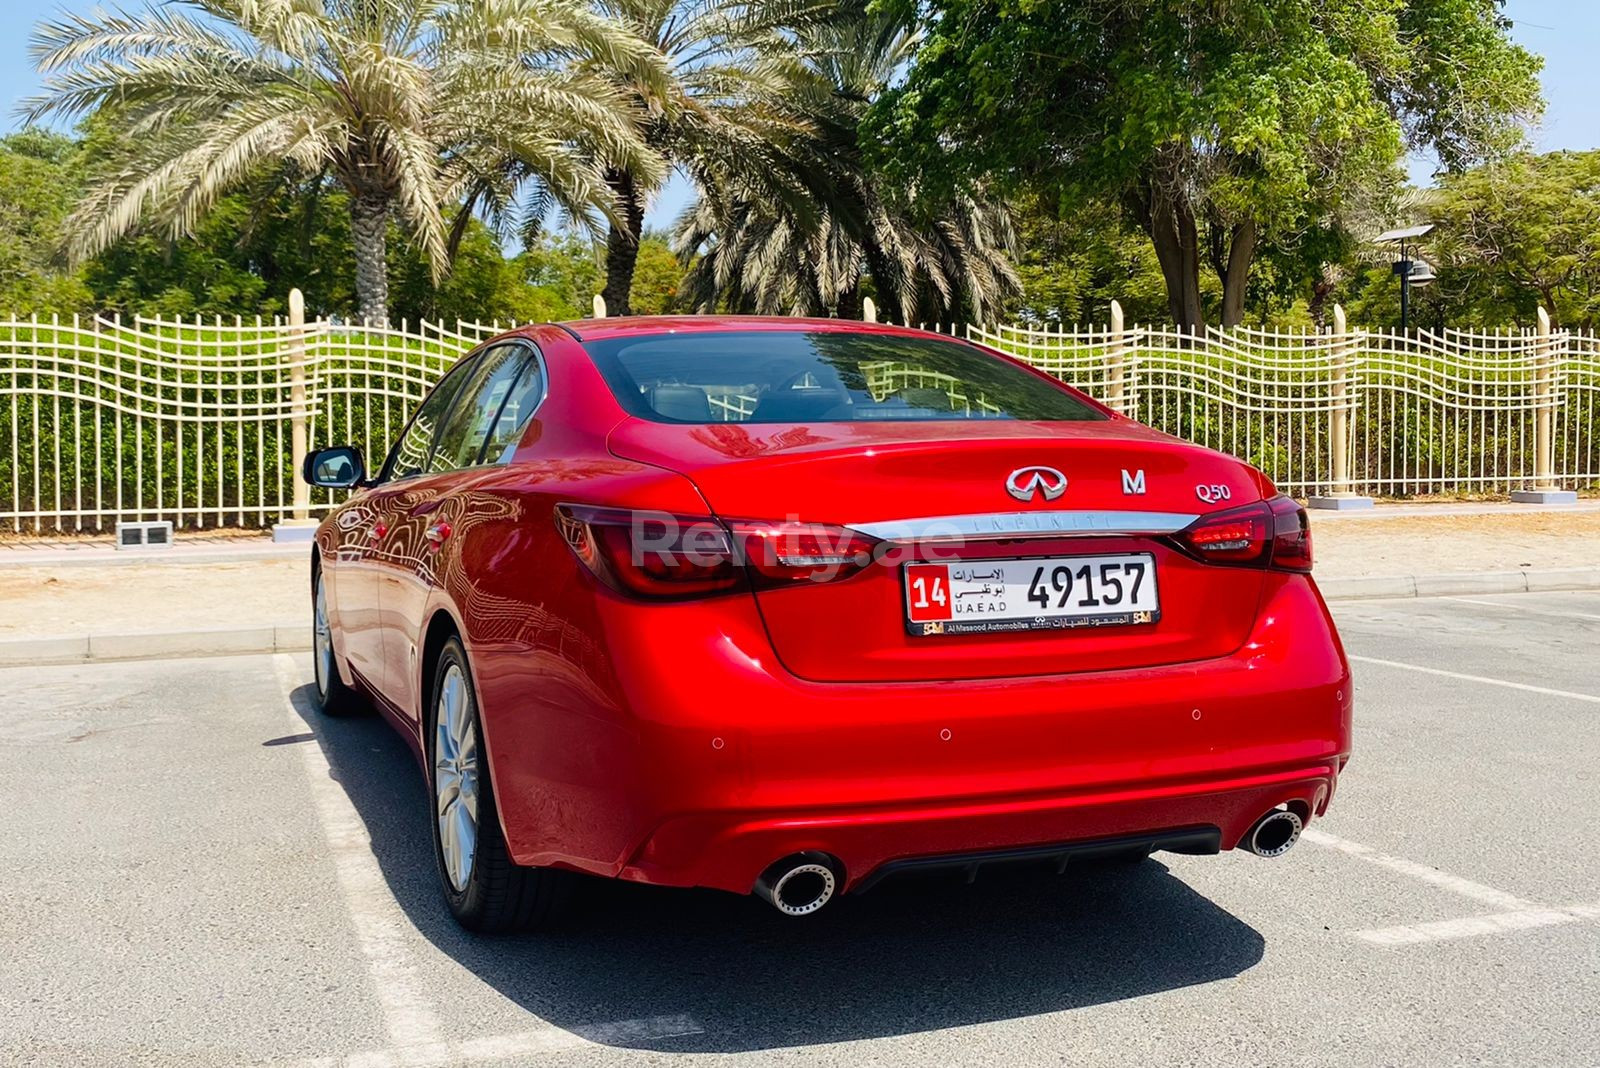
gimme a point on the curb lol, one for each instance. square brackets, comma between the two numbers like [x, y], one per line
[183, 557]
[1455, 585]
[296, 637]
[223, 641]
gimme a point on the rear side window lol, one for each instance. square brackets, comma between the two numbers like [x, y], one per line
[520, 403]
[468, 425]
[822, 376]
[411, 452]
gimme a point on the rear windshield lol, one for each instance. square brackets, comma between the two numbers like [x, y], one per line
[824, 376]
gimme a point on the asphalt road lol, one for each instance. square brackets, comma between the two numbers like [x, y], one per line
[196, 870]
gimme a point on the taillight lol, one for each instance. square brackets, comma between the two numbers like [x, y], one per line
[1291, 535]
[1271, 533]
[651, 554]
[662, 556]
[778, 554]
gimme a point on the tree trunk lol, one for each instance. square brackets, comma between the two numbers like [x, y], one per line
[1321, 290]
[888, 297]
[622, 246]
[369, 230]
[1167, 218]
[1235, 273]
[849, 306]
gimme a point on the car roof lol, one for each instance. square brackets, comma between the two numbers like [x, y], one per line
[644, 325]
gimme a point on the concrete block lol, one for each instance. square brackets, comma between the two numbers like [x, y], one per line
[295, 531]
[1544, 497]
[1341, 503]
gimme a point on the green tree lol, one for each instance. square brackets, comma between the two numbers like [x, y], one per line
[1520, 233]
[1077, 259]
[563, 272]
[724, 111]
[656, 277]
[1219, 127]
[404, 103]
[39, 181]
[845, 228]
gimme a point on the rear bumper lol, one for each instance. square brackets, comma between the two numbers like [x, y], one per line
[717, 762]
[726, 851]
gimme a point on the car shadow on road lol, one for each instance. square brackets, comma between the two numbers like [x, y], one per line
[911, 956]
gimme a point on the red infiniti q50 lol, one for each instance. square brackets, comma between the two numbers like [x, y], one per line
[793, 606]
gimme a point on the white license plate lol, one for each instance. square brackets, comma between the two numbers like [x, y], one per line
[1038, 593]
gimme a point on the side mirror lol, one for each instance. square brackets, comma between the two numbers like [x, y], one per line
[337, 468]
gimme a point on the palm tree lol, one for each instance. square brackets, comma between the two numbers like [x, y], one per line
[410, 105]
[726, 109]
[809, 252]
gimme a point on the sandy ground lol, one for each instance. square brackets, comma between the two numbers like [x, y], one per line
[46, 602]
[1430, 545]
[73, 600]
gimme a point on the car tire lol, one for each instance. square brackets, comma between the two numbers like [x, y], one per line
[486, 890]
[334, 698]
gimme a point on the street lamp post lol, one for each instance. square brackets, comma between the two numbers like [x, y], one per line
[1411, 272]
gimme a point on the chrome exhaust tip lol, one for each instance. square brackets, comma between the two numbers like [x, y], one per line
[1274, 834]
[800, 884]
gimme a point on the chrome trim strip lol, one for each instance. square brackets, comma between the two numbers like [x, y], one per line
[989, 526]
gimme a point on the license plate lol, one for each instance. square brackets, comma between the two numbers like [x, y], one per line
[1037, 593]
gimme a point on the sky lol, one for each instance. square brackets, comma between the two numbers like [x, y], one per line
[1565, 32]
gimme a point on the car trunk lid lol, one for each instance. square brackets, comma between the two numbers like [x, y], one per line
[951, 491]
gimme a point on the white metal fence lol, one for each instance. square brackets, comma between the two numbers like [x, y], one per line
[200, 422]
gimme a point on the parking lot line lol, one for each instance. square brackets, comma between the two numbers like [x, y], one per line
[1514, 607]
[382, 930]
[1484, 679]
[531, 1043]
[1521, 914]
[1421, 872]
[1472, 926]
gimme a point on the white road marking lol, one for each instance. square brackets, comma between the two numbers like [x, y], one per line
[382, 930]
[1472, 926]
[1523, 608]
[387, 938]
[544, 1040]
[1485, 680]
[1421, 872]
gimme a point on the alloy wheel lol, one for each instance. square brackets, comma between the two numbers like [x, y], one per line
[322, 641]
[455, 777]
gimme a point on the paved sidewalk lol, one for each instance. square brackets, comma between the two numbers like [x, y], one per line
[214, 594]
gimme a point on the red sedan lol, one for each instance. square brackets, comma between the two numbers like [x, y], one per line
[793, 606]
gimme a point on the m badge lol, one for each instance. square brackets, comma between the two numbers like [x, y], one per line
[1133, 482]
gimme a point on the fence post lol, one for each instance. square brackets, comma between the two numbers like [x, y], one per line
[301, 527]
[1545, 490]
[869, 310]
[1116, 374]
[1340, 405]
[297, 401]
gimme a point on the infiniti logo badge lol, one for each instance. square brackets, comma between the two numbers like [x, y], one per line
[1025, 483]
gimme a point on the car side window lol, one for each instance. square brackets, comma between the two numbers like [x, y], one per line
[410, 456]
[515, 413]
[470, 421]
